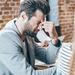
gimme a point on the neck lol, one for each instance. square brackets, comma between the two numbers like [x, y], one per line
[20, 26]
[20, 29]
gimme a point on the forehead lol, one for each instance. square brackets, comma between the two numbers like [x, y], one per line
[40, 16]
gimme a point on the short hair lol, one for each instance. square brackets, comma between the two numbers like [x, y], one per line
[30, 7]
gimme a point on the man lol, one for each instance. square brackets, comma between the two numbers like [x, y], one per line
[18, 50]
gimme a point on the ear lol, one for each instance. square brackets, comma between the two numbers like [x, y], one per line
[23, 15]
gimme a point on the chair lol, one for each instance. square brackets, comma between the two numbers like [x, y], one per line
[64, 59]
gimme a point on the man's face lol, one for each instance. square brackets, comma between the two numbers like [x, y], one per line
[36, 20]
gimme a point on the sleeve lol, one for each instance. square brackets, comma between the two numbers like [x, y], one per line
[11, 56]
[47, 55]
[15, 61]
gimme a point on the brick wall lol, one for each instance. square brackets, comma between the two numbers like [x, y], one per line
[66, 17]
[8, 10]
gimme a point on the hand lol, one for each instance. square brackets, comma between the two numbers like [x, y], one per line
[44, 44]
[50, 28]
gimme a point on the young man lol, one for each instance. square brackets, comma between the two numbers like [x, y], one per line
[18, 50]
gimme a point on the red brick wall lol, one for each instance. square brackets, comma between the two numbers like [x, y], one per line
[66, 17]
[8, 10]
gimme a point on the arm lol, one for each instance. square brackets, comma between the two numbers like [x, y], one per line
[47, 55]
[15, 61]
[11, 56]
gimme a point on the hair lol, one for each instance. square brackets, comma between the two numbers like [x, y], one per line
[30, 7]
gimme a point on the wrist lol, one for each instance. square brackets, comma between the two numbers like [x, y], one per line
[56, 43]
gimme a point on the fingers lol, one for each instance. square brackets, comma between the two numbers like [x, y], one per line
[50, 28]
[55, 32]
[47, 24]
[44, 44]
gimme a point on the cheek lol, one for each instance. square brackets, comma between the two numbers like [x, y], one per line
[34, 24]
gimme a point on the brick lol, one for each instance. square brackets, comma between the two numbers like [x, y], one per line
[0, 12]
[1, 21]
[18, 3]
[12, 4]
[7, 17]
[1, 5]
[6, 8]
[6, 4]
[12, 12]
[6, 12]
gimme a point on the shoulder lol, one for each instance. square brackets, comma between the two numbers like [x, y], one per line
[9, 37]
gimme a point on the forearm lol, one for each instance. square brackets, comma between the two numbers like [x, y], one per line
[52, 52]
[47, 55]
